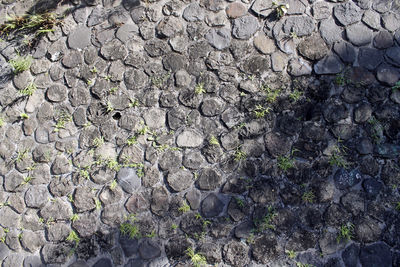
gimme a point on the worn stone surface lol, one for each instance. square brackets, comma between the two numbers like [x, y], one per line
[220, 120]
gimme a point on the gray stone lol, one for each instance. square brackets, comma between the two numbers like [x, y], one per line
[56, 210]
[321, 10]
[113, 50]
[347, 13]
[189, 138]
[264, 44]
[330, 64]
[180, 180]
[236, 10]
[14, 259]
[56, 253]
[159, 201]
[97, 16]
[193, 12]
[388, 75]
[149, 249]
[193, 160]
[33, 261]
[137, 203]
[296, 7]
[299, 67]
[9, 218]
[377, 254]
[346, 179]
[57, 232]
[193, 197]
[330, 32]
[103, 262]
[212, 107]
[345, 51]
[110, 195]
[370, 58]
[372, 19]
[391, 21]
[256, 65]
[244, 27]
[170, 160]
[169, 27]
[300, 25]
[87, 224]
[328, 242]
[84, 199]
[13, 182]
[262, 7]
[128, 180]
[32, 241]
[127, 32]
[211, 206]
[61, 165]
[313, 47]
[57, 93]
[236, 253]
[359, 34]
[219, 38]
[135, 79]
[113, 214]
[79, 38]
[155, 118]
[278, 61]
[72, 59]
[383, 40]
[36, 196]
[393, 56]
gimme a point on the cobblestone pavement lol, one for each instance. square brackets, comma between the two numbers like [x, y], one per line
[185, 133]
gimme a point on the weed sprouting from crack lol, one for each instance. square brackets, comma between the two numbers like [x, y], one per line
[240, 154]
[184, 208]
[199, 89]
[197, 259]
[337, 157]
[73, 237]
[345, 232]
[21, 63]
[29, 89]
[308, 197]
[62, 119]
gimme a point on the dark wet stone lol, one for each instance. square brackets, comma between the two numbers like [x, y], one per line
[209, 179]
[211, 206]
[393, 56]
[335, 112]
[244, 27]
[377, 254]
[350, 255]
[149, 250]
[362, 113]
[353, 202]
[330, 64]
[383, 40]
[263, 192]
[370, 58]
[335, 215]
[367, 230]
[353, 94]
[388, 75]
[346, 179]
[313, 47]
[277, 144]
[129, 246]
[345, 51]
[387, 150]
[236, 253]
[174, 62]
[56, 253]
[176, 247]
[104, 262]
[265, 248]
[364, 146]
[347, 13]
[301, 240]
[328, 242]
